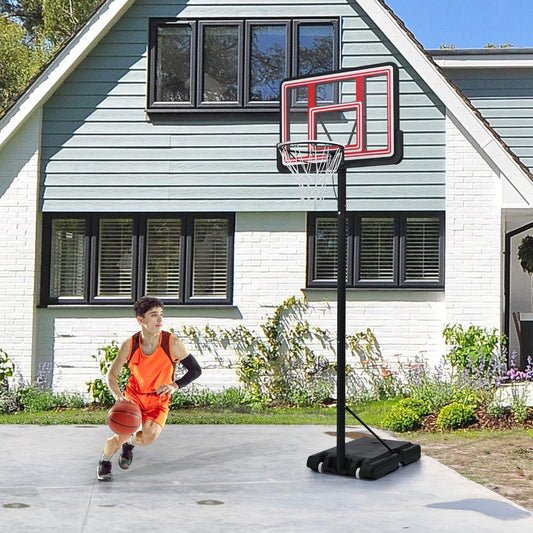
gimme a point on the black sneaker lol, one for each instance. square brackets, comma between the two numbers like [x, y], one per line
[126, 457]
[103, 472]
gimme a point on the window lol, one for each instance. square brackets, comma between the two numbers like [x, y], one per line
[209, 258]
[396, 250]
[234, 64]
[68, 255]
[163, 256]
[116, 259]
[115, 255]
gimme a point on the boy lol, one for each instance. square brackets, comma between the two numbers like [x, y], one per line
[151, 356]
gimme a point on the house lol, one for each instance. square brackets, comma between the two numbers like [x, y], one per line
[143, 160]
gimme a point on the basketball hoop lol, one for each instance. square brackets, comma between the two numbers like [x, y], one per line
[313, 163]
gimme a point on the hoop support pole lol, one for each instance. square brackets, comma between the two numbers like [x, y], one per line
[341, 318]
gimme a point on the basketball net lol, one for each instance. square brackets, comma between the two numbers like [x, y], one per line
[313, 163]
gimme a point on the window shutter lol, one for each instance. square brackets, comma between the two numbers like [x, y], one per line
[115, 258]
[376, 249]
[210, 258]
[422, 249]
[163, 254]
[325, 260]
[68, 259]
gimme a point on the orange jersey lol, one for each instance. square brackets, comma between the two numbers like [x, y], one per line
[148, 372]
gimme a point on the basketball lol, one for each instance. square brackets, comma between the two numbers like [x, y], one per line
[124, 418]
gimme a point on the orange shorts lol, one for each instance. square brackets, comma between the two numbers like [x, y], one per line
[153, 406]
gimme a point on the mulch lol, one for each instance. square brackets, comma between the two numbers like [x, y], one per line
[483, 421]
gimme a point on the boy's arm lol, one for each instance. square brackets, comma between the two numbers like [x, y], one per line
[179, 353]
[115, 368]
[194, 371]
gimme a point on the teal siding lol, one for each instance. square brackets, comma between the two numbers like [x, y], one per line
[101, 152]
[505, 98]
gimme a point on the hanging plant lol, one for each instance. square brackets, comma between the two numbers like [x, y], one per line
[525, 254]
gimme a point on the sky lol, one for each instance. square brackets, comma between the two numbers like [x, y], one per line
[467, 23]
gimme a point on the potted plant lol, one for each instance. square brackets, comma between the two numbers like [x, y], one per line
[525, 254]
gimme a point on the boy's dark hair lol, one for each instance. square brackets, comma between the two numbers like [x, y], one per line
[144, 304]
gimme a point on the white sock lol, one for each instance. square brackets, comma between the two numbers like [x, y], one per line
[131, 440]
[105, 457]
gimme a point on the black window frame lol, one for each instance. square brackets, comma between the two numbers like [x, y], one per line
[353, 251]
[139, 251]
[244, 103]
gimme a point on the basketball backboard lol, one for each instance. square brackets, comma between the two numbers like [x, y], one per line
[356, 108]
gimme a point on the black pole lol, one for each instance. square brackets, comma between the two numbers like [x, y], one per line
[341, 318]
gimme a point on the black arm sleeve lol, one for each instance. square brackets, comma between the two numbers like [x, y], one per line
[193, 371]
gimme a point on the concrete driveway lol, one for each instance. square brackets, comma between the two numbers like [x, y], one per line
[210, 478]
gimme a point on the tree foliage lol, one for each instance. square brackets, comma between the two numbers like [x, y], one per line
[19, 61]
[30, 32]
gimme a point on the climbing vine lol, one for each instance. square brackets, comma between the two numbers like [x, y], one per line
[277, 364]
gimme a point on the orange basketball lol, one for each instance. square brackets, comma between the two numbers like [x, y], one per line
[124, 418]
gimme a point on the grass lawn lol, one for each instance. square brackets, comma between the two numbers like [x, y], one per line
[371, 414]
[191, 415]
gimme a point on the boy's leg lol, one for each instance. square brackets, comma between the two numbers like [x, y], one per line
[154, 417]
[103, 472]
[114, 443]
[151, 428]
[150, 431]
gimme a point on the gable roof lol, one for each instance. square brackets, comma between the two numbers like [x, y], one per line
[459, 108]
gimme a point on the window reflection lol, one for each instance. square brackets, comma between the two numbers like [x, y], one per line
[268, 61]
[174, 63]
[220, 63]
[315, 49]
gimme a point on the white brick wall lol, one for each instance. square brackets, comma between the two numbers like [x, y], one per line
[19, 184]
[270, 256]
[270, 259]
[473, 235]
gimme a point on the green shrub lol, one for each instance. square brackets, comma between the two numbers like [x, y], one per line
[420, 407]
[401, 418]
[33, 399]
[473, 349]
[230, 398]
[8, 402]
[6, 370]
[455, 415]
[471, 397]
[191, 397]
[496, 409]
[435, 393]
[519, 409]
[98, 387]
[520, 412]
